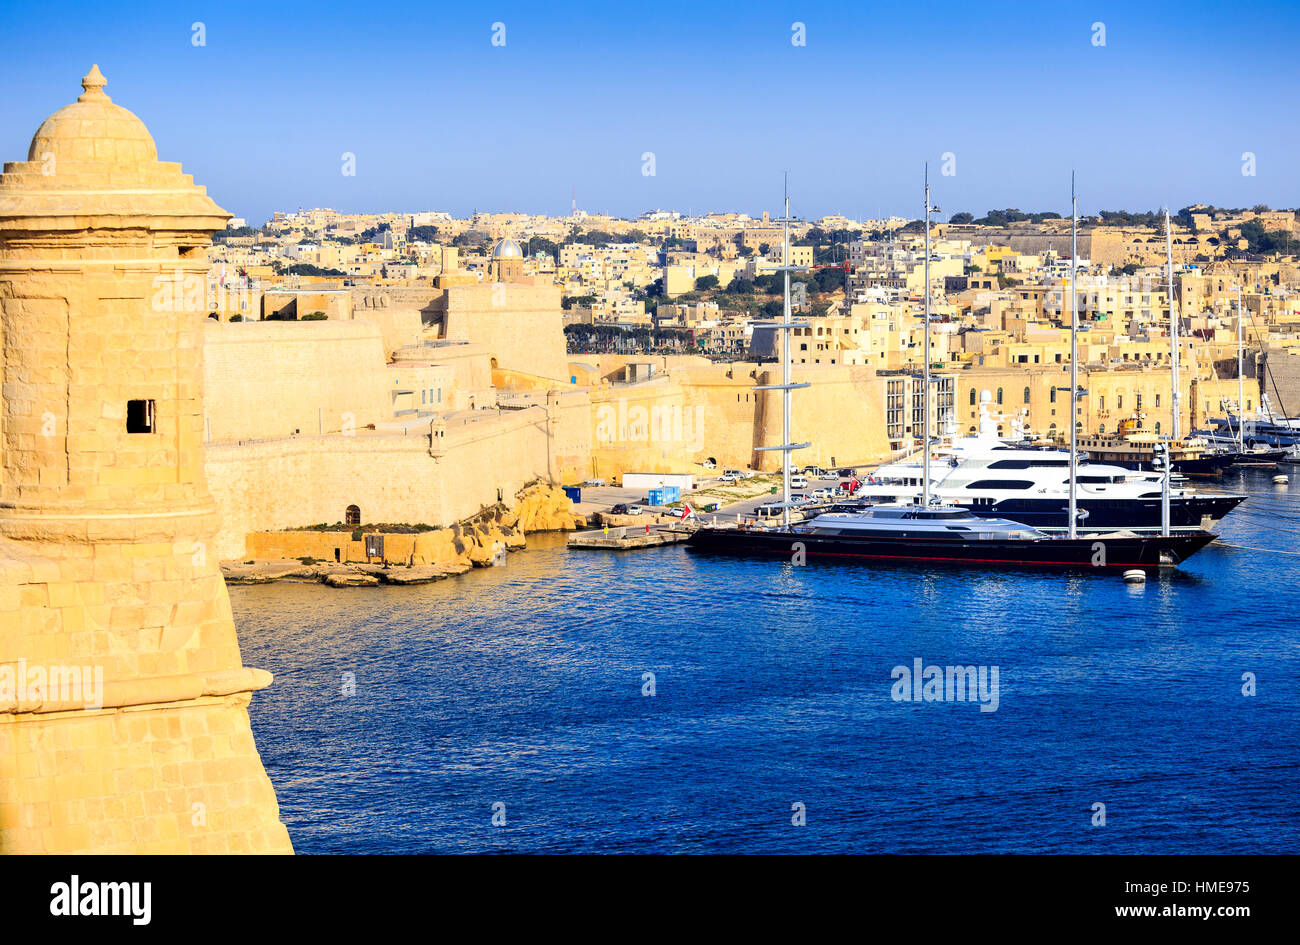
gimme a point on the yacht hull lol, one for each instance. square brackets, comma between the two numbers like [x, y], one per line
[1203, 510]
[1206, 466]
[1065, 554]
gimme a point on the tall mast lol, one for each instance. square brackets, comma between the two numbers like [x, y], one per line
[1175, 427]
[785, 326]
[785, 366]
[1074, 358]
[925, 389]
[1241, 380]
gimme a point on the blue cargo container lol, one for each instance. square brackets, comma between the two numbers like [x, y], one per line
[574, 493]
[658, 497]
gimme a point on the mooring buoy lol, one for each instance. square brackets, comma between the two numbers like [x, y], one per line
[1135, 576]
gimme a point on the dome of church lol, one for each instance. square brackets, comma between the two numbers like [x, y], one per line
[93, 130]
[507, 248]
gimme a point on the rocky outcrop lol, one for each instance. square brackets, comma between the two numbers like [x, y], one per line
[411, 557]
[542, 509]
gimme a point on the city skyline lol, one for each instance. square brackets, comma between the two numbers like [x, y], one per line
[267, 108]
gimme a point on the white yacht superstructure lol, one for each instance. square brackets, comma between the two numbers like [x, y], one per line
[987, 475]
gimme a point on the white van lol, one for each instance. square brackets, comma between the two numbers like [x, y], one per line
[798, 482]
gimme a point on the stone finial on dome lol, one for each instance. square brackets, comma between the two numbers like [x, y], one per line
[93, 82]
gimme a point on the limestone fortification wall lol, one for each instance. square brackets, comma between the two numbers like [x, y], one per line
[662, 425]
[302, 481]
[269, 379]
[397, 326]
[840, 414]
[707, 411]
[522, 325]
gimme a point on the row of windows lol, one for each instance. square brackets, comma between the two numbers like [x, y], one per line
[1101, 400]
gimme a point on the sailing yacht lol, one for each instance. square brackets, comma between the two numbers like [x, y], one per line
[941, 534]
[930, 532]
[989, 476]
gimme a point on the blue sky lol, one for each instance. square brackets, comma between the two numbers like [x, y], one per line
[439, 118]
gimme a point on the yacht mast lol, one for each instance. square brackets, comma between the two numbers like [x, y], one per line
[925, 402]
[785, 326]
[1074, 359]
[1175, 427]
[785, 365]
[1241, 381]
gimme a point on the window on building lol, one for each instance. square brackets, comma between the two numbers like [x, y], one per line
[999, 395]
[972, 397]
[352, 516]
[1051, 394]
[1026, 395]
[140, 416]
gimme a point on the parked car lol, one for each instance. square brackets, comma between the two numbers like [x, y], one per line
[846, 472]
[802, 498]
[708, 464]
[731, 475]
[798, 482]
[624, 508]
[637, 509]
[815, 471]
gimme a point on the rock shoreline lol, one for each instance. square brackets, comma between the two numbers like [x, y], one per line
[429, 556]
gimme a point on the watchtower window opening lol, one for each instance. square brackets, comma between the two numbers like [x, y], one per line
[352, 516]
[140, 416]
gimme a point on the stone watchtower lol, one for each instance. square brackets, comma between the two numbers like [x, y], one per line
[123, 698]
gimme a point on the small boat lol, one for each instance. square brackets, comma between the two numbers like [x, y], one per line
[946, 535]
[1135, 448]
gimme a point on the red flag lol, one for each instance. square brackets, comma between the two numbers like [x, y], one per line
[688, 511]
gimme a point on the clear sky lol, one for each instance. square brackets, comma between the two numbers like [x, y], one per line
[441, 119]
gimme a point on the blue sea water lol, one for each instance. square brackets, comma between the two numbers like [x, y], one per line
[522, 686]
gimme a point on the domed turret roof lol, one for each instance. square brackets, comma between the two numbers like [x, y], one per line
[507, 248]
[94, 164]
[93, 129]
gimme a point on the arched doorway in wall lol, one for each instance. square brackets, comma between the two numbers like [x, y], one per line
[352, 515]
